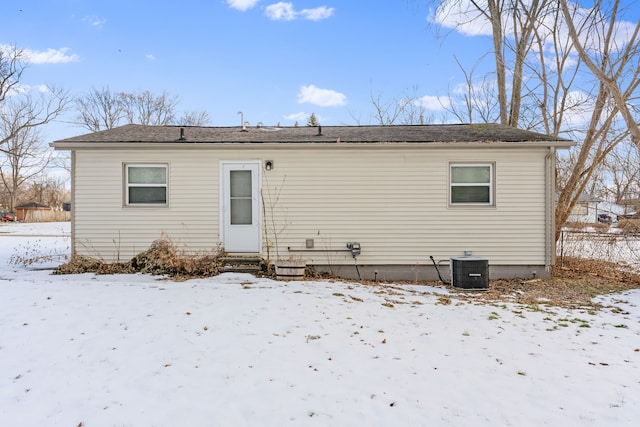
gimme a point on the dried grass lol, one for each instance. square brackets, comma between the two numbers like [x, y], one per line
[574, 285]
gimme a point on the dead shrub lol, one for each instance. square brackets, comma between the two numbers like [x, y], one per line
[82, 264]
[601, 227]
[162, 258]
[629, 226]
[575, 225]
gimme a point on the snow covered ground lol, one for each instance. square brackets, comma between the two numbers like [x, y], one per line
[234, 350]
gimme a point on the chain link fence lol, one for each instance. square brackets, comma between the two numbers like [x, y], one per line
[621, 248]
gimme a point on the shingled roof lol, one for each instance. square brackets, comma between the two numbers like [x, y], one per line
[305, 134]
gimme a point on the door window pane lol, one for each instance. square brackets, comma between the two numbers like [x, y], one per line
[241, 211]
[240, 183]
[241, 198]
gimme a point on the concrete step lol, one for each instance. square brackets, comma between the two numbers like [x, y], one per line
[242, 264]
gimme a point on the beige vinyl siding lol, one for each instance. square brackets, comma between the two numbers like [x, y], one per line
[394, 201]
[396, 205]
[104, 225]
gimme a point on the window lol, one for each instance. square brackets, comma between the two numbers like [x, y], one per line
[146, 184]
[471, 184]
[241, 197]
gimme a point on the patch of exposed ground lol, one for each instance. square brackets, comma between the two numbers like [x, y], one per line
[572, 285]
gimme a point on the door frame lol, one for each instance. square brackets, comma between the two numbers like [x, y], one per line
[257, 198]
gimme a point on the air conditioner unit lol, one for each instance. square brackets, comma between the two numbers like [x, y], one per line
[470, 272]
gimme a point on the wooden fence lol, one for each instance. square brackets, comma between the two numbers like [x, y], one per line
[46, 216]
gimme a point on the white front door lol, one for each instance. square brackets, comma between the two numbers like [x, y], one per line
[241, 219]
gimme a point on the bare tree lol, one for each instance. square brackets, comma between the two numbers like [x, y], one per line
[473, 101]
[512, 23]
[617, 63]
[148, 109]
[11, 68]
[23, 155]
[27, 111]
[100, 109]
[386, 112]
[193, 118]
[406, 110]
[613, 65]
[47, 190]
[103, 109]
[62, 160]
[622, 174]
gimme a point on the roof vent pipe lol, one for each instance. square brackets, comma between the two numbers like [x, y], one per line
[182, 138]
[319, 131]
[242, 122]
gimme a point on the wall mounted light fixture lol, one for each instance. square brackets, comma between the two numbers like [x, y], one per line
[268, 164]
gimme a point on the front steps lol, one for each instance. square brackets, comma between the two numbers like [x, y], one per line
[241, 264]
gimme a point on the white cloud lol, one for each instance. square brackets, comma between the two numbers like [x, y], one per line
[280, 11]
[94, 21]
[433, 103]
[317, 14]
[284, 11]
[50, 56]
[25, 89]
[322, 97]
[150, 57]
[463, 17]
[242, 5]
[20, 90]
[301, 116]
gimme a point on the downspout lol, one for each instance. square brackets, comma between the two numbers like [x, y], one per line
[73, 202]
[550, 232]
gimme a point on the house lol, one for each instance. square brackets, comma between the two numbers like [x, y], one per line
[586, 209]
[591, 210]
[373, 201]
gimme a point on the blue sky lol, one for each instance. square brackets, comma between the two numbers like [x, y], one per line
[277, 62]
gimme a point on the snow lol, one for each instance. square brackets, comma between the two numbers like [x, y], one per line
[235, 350]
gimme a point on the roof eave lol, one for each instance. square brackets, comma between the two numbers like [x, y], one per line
[68, 145]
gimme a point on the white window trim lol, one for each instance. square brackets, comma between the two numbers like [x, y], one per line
[490, 184]
[127, 185]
